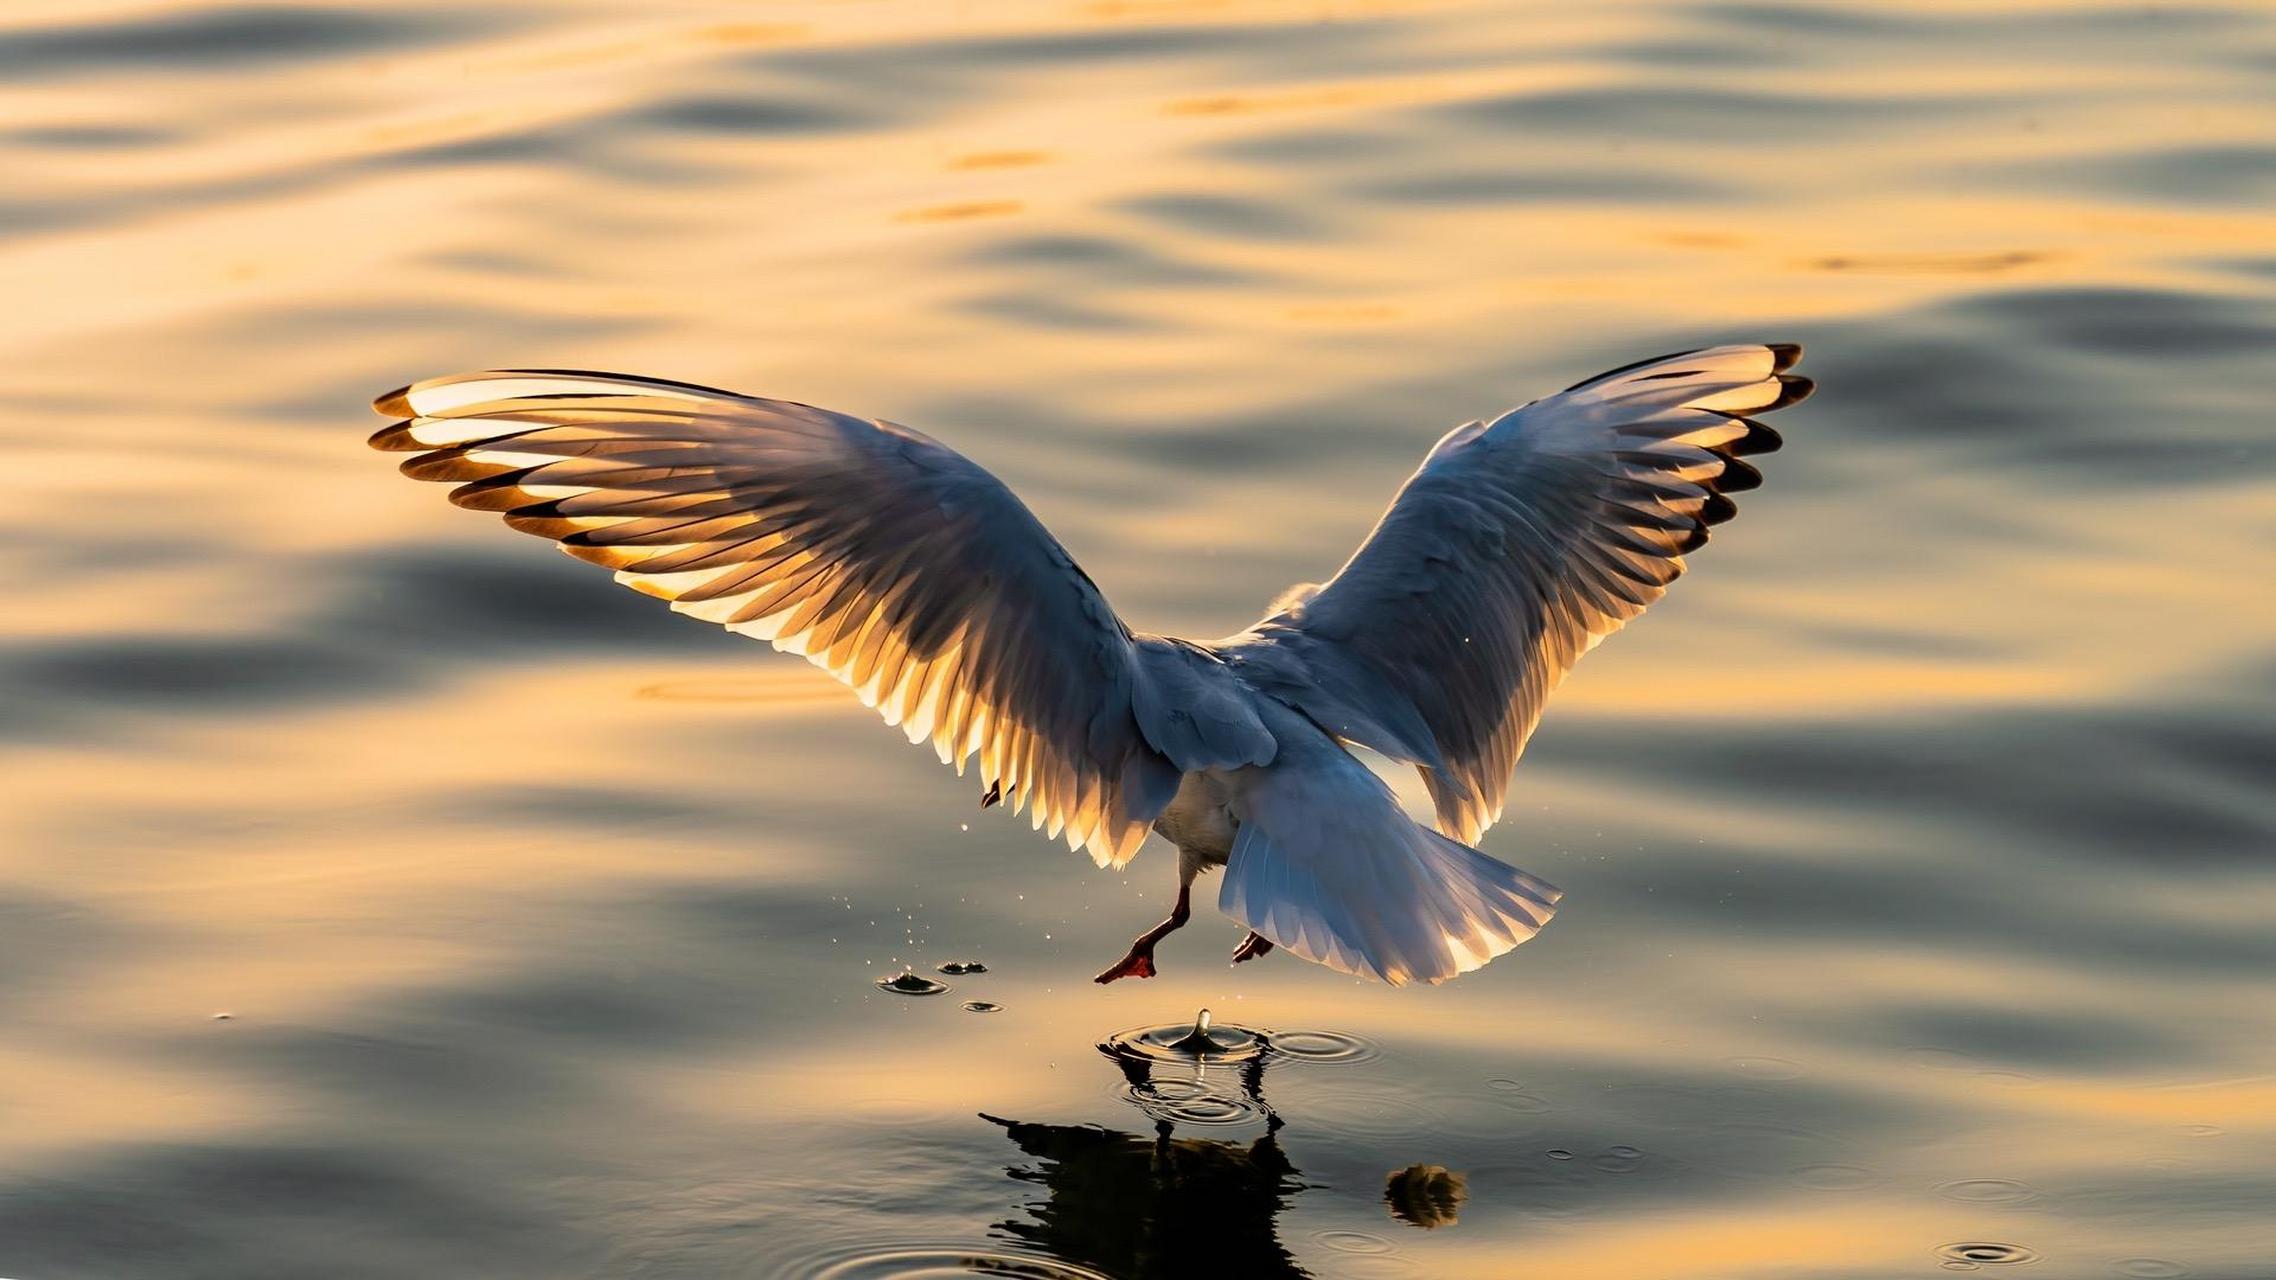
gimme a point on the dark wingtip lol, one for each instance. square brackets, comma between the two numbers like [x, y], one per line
[1784, 355]
[394, 404]
[1717, 509]
[1793, 388]
[1692, 541]
[395, 437]
[1758, 439]
[1737, 477]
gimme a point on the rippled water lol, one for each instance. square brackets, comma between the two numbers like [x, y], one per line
[1917, 846]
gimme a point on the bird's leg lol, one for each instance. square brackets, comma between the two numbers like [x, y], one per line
[1139, 963]
[1256, 944]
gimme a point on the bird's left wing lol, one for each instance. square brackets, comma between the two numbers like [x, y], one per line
[1517, 546]
[880, 555]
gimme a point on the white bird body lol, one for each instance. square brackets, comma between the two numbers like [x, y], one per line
[915, 577]
[1199, 821]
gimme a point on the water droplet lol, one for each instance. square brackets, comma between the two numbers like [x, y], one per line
[223, 1017]
[963, 966]
[1175, 1042]
[982, 1006]
[1559, 1153]
[910, 984]
[1986, 1253]
[1198, 1041]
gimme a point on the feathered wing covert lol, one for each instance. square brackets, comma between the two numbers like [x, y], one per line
[878, 554]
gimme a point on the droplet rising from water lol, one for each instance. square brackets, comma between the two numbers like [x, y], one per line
[955, 967]
[1173, 1042]
[911, 984]
[982, 1006]
[1198, 1041]
[1986, 1253]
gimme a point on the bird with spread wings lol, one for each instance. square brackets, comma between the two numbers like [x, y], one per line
[915, 577]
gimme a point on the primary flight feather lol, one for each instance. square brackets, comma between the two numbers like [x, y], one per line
[915, 577]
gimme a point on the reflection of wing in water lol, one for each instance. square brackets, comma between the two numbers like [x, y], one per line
[1155, 1207]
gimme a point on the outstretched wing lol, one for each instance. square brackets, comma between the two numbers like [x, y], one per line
[878, 554]
[1516, 547]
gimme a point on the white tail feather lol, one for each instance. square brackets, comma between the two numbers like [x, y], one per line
[1328, 866]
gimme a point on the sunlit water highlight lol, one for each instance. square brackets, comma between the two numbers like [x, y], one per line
[1917, 846]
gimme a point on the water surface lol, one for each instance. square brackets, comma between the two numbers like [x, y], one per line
[1917, 846]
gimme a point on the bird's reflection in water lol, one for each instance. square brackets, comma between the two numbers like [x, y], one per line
[1139, 1206]
[1136, 1206]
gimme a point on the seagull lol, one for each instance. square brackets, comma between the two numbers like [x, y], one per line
[916, 578]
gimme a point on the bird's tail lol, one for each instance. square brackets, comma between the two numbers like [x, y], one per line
[1330, 867]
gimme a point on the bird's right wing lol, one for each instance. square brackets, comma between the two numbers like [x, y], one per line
[1516, 547]
[889, 560]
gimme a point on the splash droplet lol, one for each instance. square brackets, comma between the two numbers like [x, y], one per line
[1174, 1042]
[910, 984]
[982, 1006]
[955, 967]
